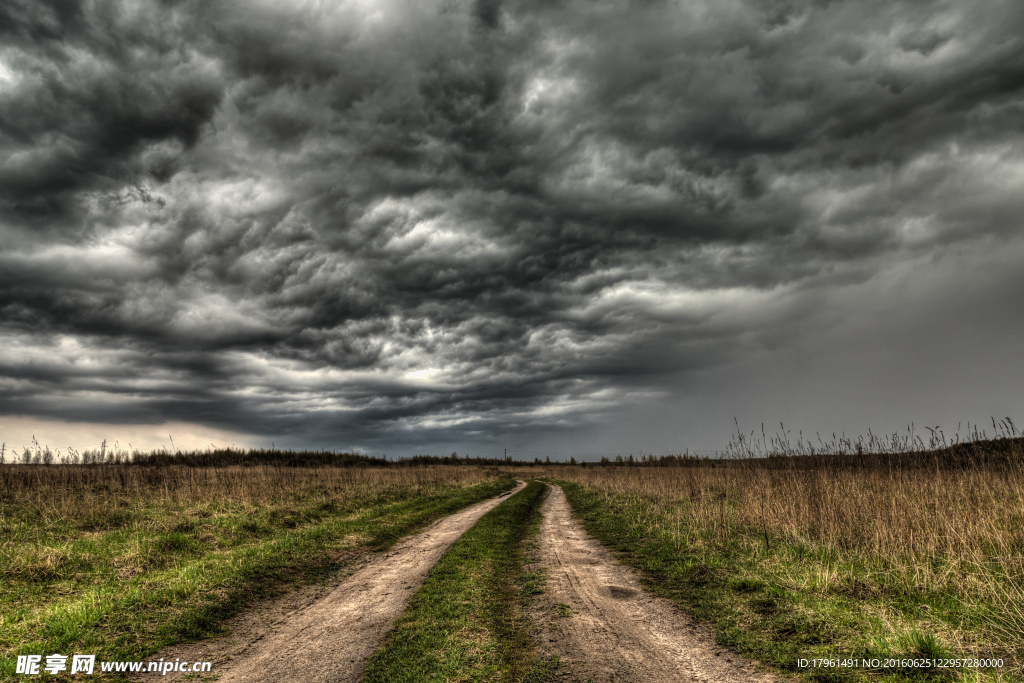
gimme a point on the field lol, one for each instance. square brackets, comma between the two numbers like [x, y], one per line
[119, 560]
[847, 554]
[911, 555]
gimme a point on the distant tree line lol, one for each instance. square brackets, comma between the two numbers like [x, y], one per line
[987, 452]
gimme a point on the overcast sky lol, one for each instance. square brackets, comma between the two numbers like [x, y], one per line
[554, 227]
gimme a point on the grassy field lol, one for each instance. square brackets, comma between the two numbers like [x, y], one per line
[120, 560]
[793, 557]
[841, 554]
[467, 621]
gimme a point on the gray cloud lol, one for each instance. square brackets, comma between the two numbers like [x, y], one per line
[400, 223]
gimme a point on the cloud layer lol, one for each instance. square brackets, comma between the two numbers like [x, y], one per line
[392, 223]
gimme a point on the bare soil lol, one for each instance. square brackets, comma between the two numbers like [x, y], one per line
[327, 635]
[603, 626]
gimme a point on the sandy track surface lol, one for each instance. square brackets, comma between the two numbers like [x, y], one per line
[330, 638]
[605, 627]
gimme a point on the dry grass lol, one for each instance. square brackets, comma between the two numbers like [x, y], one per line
[67, 522]
[961, 530]
[73, 492]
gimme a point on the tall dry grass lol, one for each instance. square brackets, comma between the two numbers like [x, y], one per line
[950, 525]
[971, 519]
[103, 494]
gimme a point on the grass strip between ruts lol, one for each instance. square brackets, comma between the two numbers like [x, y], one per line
[132, 619]
[467, 621]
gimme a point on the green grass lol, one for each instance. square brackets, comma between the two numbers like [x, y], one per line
[466, 623]
[779, 601]
[125, 583]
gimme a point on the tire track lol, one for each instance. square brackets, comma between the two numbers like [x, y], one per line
[612, 630]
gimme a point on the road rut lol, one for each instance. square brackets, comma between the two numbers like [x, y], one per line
[610, 628]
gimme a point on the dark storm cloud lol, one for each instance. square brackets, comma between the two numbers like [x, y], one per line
[88, 87]
[406, 222]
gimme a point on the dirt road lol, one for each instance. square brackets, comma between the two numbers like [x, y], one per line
[604, 627]
[331, 638]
